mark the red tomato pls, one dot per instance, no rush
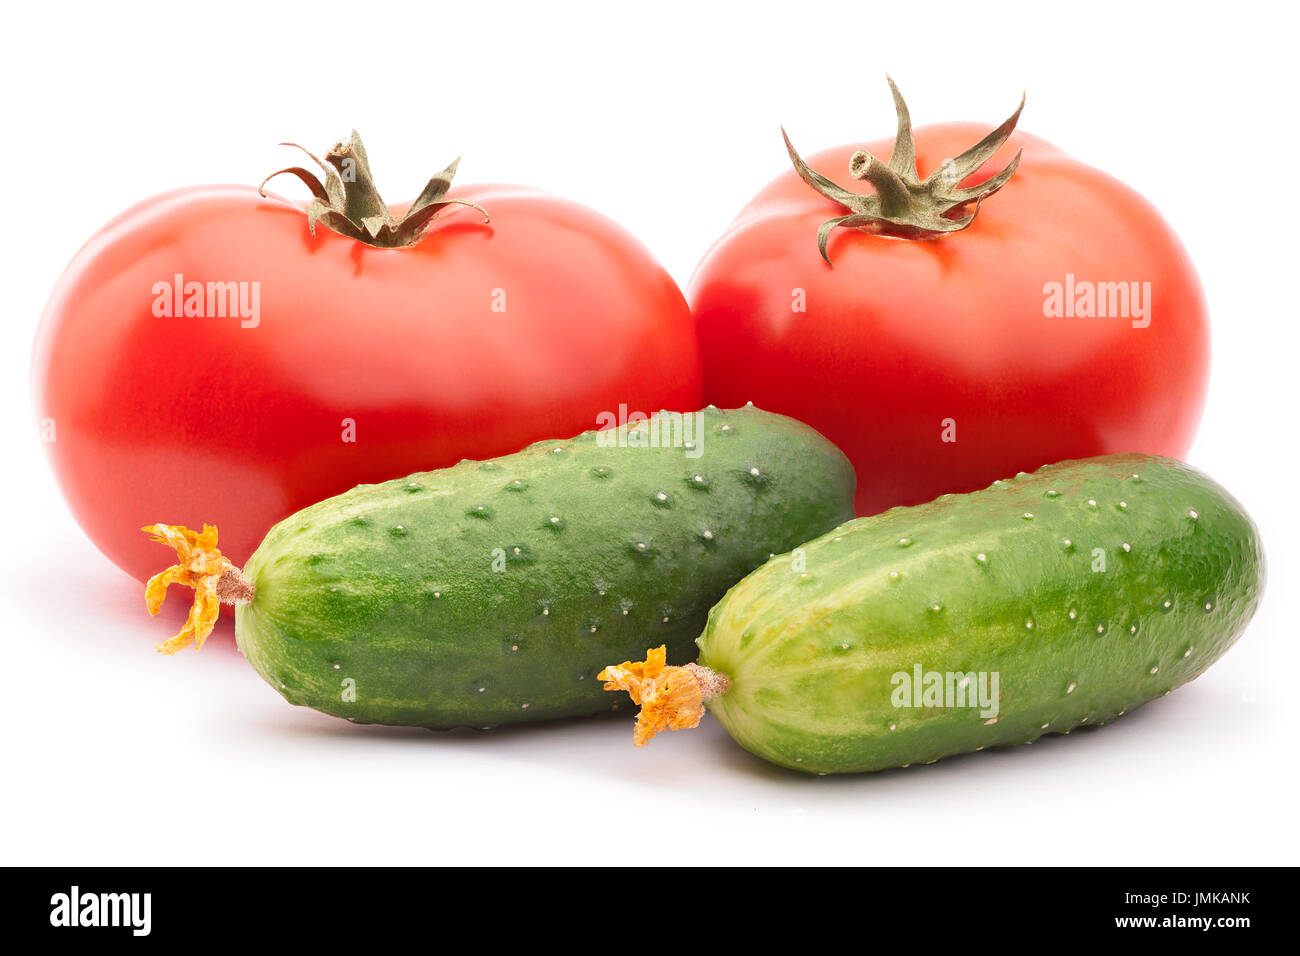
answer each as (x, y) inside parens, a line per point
(934, 364)
(363, 363)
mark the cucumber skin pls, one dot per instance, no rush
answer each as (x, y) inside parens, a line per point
(810, 658)
(420, 621)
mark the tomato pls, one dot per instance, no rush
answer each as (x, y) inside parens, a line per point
(349, 364)
(941, 365)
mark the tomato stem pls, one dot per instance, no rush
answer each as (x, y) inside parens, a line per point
(903, 205)
(348, 201)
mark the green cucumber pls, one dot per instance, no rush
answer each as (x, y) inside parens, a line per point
(492, 592)
(1083, 590)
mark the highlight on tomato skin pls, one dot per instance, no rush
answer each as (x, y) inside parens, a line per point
(206, 358)
(1063, 320)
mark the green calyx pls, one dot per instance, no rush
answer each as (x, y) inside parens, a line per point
(348, 202)
(903, 205)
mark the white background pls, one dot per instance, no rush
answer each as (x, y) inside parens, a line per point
(665, 116)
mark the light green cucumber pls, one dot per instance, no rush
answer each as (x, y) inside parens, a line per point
(493, 592)
(1084, 589)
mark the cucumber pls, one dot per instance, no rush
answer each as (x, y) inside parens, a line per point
(492, 592)
(1068, 597)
